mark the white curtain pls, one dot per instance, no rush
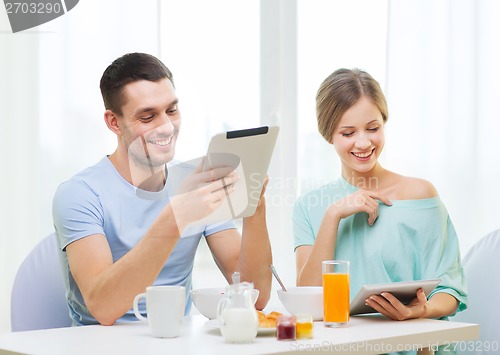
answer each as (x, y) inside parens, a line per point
(51, 113)
(442, 87)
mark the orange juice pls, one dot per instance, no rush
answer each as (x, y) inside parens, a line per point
(336, 298)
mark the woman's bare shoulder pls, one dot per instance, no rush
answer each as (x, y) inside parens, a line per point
(412, 188)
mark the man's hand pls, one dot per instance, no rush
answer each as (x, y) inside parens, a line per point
(201, 193)
(261, 205)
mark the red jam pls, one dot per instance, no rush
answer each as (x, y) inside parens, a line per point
(285, 328)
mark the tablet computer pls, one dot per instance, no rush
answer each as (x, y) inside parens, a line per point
(405, 291)
(249, 153)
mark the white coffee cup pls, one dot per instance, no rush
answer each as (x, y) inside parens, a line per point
(165, 309)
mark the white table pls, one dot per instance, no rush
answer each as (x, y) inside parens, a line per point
(365, 335)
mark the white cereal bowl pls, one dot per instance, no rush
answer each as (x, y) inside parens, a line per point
(206, 300)
(303, 299)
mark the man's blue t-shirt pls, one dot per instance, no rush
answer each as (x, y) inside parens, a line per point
(98, 200)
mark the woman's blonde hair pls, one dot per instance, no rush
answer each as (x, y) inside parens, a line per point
(341, 90)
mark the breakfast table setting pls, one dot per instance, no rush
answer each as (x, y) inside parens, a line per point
(372, 334)
(229, 324)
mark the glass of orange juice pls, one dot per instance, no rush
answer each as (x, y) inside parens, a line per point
(336, 293)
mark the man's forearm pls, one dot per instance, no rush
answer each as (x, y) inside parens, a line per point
(256, 255)
(112, 293)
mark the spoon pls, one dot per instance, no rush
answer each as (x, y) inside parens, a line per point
(273, 270)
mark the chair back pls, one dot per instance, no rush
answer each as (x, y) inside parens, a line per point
(38, 298)
(482, 272)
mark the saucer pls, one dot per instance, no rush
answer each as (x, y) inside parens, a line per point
(214, 324)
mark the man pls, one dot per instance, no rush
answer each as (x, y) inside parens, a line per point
(118, 230)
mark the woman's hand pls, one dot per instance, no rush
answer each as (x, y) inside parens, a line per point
(360, 201)
(391, 307)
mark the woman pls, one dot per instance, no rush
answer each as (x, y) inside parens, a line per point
(391, 227)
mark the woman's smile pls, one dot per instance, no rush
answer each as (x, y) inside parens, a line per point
(363, 156)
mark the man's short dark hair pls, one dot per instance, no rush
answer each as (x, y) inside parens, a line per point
(129, 68)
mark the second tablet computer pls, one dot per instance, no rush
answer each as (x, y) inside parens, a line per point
(249, 151)
(405, 291)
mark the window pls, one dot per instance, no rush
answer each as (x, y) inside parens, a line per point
(243, 64)
(332, 35)
(212, 49)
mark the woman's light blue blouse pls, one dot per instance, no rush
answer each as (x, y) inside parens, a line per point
(410, 240)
